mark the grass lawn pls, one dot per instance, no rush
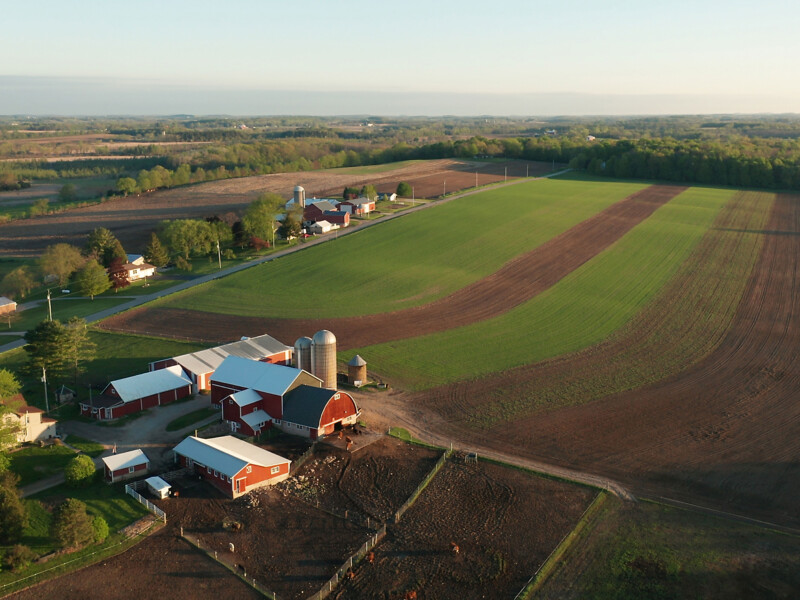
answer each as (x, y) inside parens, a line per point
(33, 463)
(582, 309)
(117, 356)
(190, 418)
(109, 502)
(64, 309)
(90, 447)
(649, 550)
(409, 261)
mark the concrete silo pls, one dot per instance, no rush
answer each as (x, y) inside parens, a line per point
(323, 358)
(302, 353)
(300, 196)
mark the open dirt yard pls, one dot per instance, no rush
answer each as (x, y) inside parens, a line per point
(133, 218)
(504, 521)
(161, 565)
(515, 283)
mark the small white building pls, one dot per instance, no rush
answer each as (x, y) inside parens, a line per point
(320, 227)
(7, 305)
(158, 487)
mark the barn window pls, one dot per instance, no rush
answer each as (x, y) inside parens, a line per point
(230, 400)
(209, 470)
(249, 469)
(131, 469)
(274, 470)
(215, 473)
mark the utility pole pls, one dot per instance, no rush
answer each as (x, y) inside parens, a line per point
(44, 381)
(413, 199)
(444, 188)
(219, 255)
(526, 171)
(49, 306)
(476, 177)
(505, 174)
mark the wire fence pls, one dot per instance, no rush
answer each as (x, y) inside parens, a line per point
(231, 566)
(347, 567)
(147, 504)
(303, 458)
(428, 478)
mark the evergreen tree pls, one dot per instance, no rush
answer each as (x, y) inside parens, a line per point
(72, 526)
(155, 253)
(46, 348)
(79, 348)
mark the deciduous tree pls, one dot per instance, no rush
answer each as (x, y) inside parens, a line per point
(17, 283)
(72, 526)
(67, 193)
(13, 517)
(79, 348)
(404, 189)
(259, 218)
(60, 260)
(127, 185)
(92, 279)
(79, 471)
(369, 191)
(118, 274)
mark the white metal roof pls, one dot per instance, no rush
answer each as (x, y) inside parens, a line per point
(152, 382)
(256, 348)
(157, 483)
(227, 454)
(4, 301)
(256, 419)
(115, 462)
(261, 376)
(245, 397)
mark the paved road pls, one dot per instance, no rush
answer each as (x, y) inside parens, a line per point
(139, 300)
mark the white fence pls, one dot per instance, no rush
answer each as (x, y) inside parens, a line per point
(149, 505)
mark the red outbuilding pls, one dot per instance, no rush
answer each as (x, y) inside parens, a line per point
(231, 465)
(128, 465)
(140, 392)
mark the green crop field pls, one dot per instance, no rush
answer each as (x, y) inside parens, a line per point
(685, 323)
(409, 261)
(582, 309)
(648, 550)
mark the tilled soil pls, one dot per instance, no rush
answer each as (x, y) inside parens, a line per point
(132, 219)
(505, 523)
(516, 282)
(724, 432)
(162, 565)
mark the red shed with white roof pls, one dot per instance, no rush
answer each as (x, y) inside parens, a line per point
(231, 465)
(127, 465)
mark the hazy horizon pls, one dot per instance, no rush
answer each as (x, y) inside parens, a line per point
(420, 58)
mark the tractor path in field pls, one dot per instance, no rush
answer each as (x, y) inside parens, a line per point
(724, 431)
(515, 283)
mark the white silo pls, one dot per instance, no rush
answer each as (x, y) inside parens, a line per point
(323, 358)
(300, 196)
(302, 353)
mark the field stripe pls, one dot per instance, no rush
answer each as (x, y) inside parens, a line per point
(581, 310)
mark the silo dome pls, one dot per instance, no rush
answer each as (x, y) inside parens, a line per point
(299, 196)
(299, 188)
(302, 353)
(323, 358)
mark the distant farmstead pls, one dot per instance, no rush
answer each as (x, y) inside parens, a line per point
(231, 465)
(31, 424)
(7, 305)
(140, 392)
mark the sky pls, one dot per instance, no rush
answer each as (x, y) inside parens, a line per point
(433, 57)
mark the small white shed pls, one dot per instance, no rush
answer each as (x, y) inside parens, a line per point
(158, 487)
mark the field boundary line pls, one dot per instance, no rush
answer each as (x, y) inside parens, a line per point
(142, 534)
(145, 502)
(243, 576)
(423, 484)
(551, 562)
(721, 514)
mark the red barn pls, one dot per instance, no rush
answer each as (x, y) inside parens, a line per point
(314, 212)
(200, 366)
(337, 217)
(256, 396)
(140, 392)
(128, 465)
(231, 465)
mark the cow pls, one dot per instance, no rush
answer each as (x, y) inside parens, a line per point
(454, 548)
(371, 557)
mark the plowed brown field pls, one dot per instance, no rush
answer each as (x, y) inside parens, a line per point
(132, 219)
(516, 282)
(725, 431)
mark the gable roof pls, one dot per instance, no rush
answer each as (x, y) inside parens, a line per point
(260, 376)
(227, 454)
(208, 360)
(6, 301)
(245, 397)
(304, 405)
(322, 205)
(115, 462)
(256, 418)
(147, 384)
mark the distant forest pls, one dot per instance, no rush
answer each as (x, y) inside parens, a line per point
(741, 151)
